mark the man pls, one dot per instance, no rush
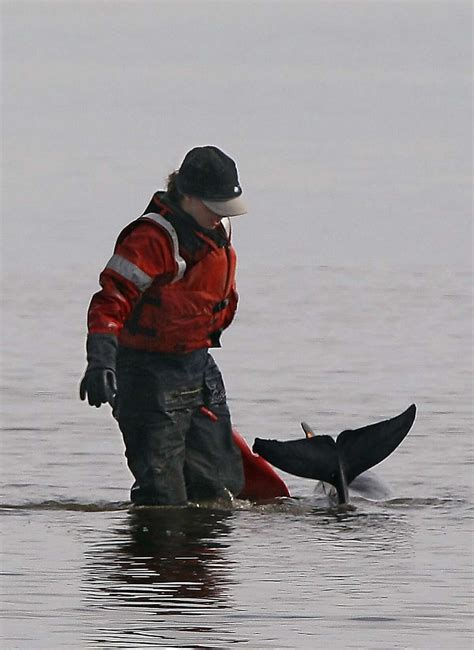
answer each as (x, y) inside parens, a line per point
(168, 292)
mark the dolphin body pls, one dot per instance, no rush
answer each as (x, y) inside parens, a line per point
(339, 461)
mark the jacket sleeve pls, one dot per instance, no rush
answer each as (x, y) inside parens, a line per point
(139, 258)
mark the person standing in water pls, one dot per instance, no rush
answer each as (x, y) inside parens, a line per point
(167, 294)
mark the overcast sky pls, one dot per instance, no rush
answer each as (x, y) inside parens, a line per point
(350, 123)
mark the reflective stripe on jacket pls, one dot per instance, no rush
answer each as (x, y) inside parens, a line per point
(169, 286)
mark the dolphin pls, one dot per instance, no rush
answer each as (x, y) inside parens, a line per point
(339, 461)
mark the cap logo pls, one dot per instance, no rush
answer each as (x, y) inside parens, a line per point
(236, 189)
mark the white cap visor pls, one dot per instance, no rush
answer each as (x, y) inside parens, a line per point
(229, 208)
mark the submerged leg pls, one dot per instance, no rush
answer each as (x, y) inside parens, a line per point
(155, 452)
(213, 466)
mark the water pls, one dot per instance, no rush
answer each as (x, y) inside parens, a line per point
(264, 577)
(82, 570)
(355, 274)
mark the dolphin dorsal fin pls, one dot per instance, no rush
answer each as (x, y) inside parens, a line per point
(308, 431)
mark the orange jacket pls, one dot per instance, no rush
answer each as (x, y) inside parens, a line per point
(170, 285)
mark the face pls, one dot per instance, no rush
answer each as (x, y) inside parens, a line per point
(200, 213)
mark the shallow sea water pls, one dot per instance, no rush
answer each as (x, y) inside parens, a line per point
(82, 569)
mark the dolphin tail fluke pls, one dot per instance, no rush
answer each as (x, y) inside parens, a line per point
(338, 461)
(315, 457)
(361, 449)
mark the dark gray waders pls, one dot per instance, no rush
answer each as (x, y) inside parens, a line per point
(173, 415)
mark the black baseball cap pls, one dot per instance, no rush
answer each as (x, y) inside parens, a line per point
(211, 175)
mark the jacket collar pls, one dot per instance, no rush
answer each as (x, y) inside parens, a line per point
(161, 204)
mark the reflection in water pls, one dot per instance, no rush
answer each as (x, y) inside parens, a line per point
(170, 560)
(164, 561)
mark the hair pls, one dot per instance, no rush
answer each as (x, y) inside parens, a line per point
(172, 191)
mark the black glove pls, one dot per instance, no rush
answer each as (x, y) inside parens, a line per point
(99, 382)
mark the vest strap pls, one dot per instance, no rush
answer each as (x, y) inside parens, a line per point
(165, 224)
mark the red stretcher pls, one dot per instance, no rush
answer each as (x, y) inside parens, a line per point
(261, 480)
